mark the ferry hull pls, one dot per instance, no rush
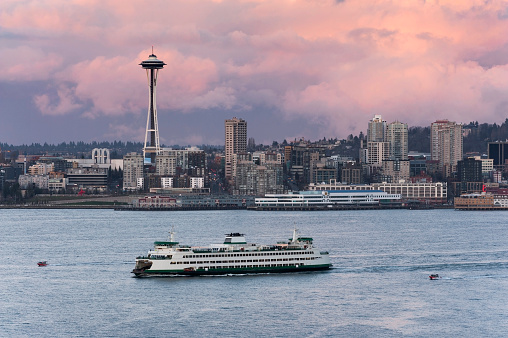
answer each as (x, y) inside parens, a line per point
(236, 271)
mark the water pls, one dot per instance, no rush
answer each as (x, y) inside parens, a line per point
(378, 287)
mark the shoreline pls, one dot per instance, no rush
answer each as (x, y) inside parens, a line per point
(203, 208)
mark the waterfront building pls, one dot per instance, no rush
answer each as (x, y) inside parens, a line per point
(397, 137)
(424, 192)
(481, 201)
(432, 193)
(235, 143)
(154, 202)
(469, 170)
(446, 145)
(133, 171)
(327, 198)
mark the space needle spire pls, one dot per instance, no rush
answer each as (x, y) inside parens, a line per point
(151, 147)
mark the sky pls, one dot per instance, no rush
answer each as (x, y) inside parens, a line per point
(69, 69)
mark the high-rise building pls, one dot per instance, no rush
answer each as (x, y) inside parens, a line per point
(377, 153)
(236, 143)
(376, 129)
(132, 171)
(446, 145)
(498, 151)
(151, 147)
(396, 136)
(469, 170)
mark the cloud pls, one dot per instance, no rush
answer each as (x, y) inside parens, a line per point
(120, 131)
(25, 63)
(64, 103)
(333, 64)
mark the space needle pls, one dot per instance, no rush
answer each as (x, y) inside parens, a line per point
(152, 145)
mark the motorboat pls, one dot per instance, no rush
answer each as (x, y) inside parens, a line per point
(434, 276)
(42, 263)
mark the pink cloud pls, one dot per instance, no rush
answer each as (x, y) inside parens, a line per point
(65, 103)
(334, 64)
(24, 63)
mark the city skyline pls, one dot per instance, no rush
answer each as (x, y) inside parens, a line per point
(70, 71)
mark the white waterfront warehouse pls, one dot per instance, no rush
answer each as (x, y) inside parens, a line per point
(328, 197)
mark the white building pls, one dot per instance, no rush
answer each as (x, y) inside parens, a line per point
(140, 183)
(166, 182)
(101, 156)
(431, 192)
(326, 198)
(197, 182)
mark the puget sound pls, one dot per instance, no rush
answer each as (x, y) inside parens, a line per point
(378, 286)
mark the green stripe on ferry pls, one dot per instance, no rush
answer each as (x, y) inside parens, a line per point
(254, 269)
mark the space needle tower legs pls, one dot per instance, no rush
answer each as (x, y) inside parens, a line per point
(151, 147)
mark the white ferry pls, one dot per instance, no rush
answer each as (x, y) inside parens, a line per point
(234, 256)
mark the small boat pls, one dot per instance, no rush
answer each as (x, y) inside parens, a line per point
(434, 276)
(42, 263)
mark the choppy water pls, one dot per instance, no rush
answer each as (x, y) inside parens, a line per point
(379, 285)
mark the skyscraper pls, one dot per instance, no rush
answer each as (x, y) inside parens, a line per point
(446, 145)
(151, 147)
(376, 129)
(236, 143)
(396, 136)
